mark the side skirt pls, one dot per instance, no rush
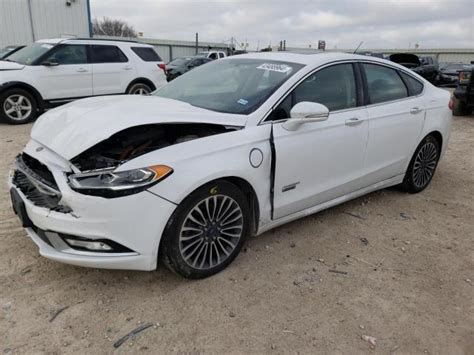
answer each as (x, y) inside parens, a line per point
(337, 201)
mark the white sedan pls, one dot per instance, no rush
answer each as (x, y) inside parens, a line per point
(231, 149)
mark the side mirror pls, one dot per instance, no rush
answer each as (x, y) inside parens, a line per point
(304, 112)
(50, 63)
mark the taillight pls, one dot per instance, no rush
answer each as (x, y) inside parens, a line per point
(451, 103)
(162, 66)
(464, 77)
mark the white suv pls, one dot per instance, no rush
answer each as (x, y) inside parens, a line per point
(51, 72)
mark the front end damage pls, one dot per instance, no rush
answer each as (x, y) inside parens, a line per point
(105, 227)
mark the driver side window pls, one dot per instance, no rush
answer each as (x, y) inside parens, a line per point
(69, 54)
(334, 87)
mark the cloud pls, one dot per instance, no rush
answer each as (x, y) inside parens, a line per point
(342, 23)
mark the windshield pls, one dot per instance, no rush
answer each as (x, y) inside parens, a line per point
(6, 50)
(236, 86)
(179, 61)
(30, 53)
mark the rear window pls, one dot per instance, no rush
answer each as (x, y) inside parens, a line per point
(147, 54)
(107, 54)
(414, 86)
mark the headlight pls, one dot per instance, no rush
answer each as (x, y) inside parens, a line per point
(108, 183)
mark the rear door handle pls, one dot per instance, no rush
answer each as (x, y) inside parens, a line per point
(127, 68)
(353, 121)
(81, 70)
(416, 110)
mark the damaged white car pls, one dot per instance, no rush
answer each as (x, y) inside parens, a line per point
(231, 149)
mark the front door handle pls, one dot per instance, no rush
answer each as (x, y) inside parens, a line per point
(353, 121)
(81, 70)
(416, 110)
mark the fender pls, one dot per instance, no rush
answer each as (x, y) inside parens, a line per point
(25, 86)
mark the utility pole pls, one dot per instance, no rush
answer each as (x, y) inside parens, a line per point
(197, 42)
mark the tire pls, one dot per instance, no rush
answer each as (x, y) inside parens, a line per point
(18, 106)
(422, 166)
(139, 89)
(197, 245)
(459, 108)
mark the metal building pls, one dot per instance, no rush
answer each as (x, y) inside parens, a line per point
(25, 21)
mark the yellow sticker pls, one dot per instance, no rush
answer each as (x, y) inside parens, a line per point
(213, 190)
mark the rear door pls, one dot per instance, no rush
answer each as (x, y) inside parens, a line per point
(396, 117)
(112, 70)
(320, 161)
(70, 78)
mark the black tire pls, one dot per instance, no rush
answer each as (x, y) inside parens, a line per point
(414, 181)
(172, 247)
(459, 108)
(22, 115)
(139, 89)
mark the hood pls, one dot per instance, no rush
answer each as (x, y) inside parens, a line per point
(5, 65)
(71, 129)
(406, 59)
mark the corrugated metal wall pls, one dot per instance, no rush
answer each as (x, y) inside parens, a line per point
(24, 21)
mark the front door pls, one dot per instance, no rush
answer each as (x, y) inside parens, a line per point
(320, 161)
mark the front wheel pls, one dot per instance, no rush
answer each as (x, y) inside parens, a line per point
(207, 231)
(422, 166)
(17, 106)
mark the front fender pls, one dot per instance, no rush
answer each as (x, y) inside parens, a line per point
(200, 161)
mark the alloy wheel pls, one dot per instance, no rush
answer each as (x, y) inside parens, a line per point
(141, 91)
(425, 164)
(17, 107)
(210, 232)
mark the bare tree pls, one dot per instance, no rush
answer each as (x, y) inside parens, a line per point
(112, 27)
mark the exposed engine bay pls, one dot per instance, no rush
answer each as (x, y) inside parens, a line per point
(135, 141)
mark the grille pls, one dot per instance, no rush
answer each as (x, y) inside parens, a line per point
(21, 181)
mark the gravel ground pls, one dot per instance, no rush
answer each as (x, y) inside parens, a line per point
(407, 264)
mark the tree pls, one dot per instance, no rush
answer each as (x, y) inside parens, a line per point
(112, 27)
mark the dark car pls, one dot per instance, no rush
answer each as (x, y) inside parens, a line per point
(463, 96)
(6, 51)
(181, 65)
(420, 65)
(449, 73)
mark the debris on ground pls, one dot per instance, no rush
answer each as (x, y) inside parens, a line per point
(355, 215)
(231, 314)
(57, 313)
(292, 244)
(338, 272)
(404, 215)
(468, 281)
(132, 334)
(371, 340)
(321, 260)
(364, 241)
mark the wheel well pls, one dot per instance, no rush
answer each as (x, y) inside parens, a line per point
(36, 95)
(251, 197)
(142, 81)
(439, 138)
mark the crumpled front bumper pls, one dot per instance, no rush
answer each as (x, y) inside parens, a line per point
(136, 222)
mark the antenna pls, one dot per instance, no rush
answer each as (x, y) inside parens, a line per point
(360, 44)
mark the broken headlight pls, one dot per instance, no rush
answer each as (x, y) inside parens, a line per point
(109, 183)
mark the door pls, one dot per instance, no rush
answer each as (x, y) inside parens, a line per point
(69, 75)
(112, 71)
(320, 161)
(396, 118)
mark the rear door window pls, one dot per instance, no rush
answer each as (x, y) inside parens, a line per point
(384, 84)
(415, 86)
(107, 54)
(147, 54)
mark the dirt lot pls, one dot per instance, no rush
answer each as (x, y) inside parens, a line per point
(408, 281)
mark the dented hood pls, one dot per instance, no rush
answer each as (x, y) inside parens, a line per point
(71, 129)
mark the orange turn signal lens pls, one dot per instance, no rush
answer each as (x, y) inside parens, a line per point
(161, 171)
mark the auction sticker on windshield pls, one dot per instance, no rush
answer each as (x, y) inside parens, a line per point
(280, 68)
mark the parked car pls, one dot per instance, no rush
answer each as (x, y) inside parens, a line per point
(449, 73)
(181, 65)
(51, 72)
(6, 51)
(213, 54)
(233, 148)
(427, 69)
(463, 96)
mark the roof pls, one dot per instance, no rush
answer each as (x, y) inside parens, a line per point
(95, 40)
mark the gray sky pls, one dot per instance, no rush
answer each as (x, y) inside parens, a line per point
(342, 23)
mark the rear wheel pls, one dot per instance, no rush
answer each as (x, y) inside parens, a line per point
(207, 231)
(422, 166)
(17, 106)
(139, 89)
